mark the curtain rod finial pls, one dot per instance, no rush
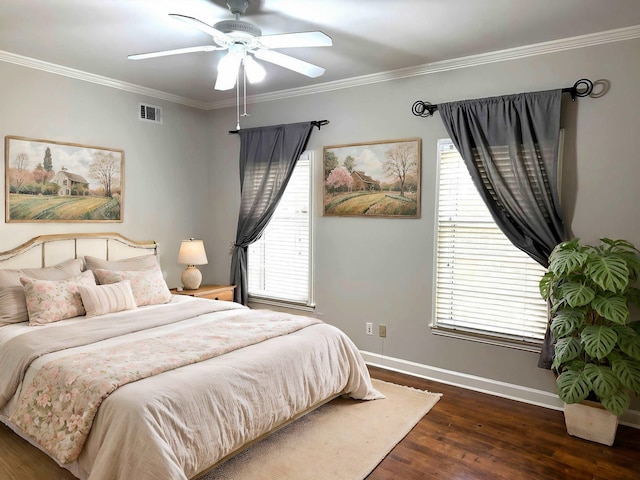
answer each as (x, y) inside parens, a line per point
(423, 109)
(582, 88)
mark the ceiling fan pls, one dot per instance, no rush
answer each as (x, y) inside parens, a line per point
(244, 41)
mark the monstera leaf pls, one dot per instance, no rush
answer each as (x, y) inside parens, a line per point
(577, 294)
(566, 350)
(604, 382)
(628, 341)
(567, 258)
(572, 387)
(628, 252)
(612, 307)
(628, 372)
(598, 340)
(545, 285)
(609, 272)
(566, 322)
(617, 403)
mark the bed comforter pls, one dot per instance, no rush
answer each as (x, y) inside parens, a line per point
(180, 419)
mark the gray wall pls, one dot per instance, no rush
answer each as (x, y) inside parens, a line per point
(166, 166)
(381, 270)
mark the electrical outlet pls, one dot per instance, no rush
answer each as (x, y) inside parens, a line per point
(369, 328)
(382, 330)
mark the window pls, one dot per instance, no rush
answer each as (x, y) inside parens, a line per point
(485, 287)
(279, 263)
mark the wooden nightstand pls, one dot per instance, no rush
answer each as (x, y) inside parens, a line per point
(212, 292)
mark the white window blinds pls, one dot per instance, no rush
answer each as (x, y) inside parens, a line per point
(279, 262)
(485, 286)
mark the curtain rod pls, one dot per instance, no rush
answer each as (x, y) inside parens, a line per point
(582, 88)
(315, 123)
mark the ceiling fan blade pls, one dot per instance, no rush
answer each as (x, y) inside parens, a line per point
(297, 65)
(219, 37)
(177, 51)
(291, 40)
(228, 71)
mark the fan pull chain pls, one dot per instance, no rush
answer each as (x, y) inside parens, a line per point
(244, 77)
(244, 94)
(237, 101)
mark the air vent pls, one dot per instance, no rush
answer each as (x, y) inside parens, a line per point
(149, 113)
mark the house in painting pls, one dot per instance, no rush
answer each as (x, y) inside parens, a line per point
(70, 183)
(363, 182)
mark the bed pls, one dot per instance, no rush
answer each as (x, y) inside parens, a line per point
(115, 378)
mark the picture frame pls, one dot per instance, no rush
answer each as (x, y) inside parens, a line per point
(50, 181)
(373, 179)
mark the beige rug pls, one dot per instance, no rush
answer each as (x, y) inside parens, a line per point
(343, 440)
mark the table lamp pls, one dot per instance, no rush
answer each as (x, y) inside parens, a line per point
(191, 254)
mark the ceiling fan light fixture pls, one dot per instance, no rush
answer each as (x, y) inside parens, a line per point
(255, 72)
(228, 67)
(245, 43)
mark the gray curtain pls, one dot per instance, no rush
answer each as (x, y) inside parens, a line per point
(267, 158)
(510, 146)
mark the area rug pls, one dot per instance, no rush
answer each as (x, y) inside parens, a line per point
(342, 440)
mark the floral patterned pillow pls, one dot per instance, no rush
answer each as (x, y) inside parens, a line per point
(148, 286)
(13, 306)
(49, 300)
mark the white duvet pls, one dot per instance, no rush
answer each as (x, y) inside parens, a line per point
(176, 424)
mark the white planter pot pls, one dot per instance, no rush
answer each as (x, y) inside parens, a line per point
(591, 421)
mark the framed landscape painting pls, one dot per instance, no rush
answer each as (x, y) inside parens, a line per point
(375, 179)
(49, 181)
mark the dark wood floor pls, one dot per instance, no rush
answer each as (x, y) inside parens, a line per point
(470, 435)
(466, 436)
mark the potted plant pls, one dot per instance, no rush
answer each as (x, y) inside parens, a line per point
(597, 345)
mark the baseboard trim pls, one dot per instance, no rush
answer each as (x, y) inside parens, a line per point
(518, 393)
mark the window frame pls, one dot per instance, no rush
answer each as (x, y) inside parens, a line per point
(529, 344)
(309, 304)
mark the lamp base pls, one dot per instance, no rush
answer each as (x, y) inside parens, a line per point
(191, 278)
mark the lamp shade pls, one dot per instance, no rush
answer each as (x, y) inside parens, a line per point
(192, 253)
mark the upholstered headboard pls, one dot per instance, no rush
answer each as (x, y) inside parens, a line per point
(48, 250)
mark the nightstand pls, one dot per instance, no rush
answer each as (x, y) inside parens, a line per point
(212, 292)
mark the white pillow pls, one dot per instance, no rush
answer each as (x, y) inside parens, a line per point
(61, 271)
(13, 307)
(126, 264)
(148, 286)
(49, 300)
(103, 299)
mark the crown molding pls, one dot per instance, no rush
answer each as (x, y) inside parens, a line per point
(97, 79)
(571, 43)
(543, 48)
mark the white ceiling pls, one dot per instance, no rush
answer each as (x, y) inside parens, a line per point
(369, 36)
